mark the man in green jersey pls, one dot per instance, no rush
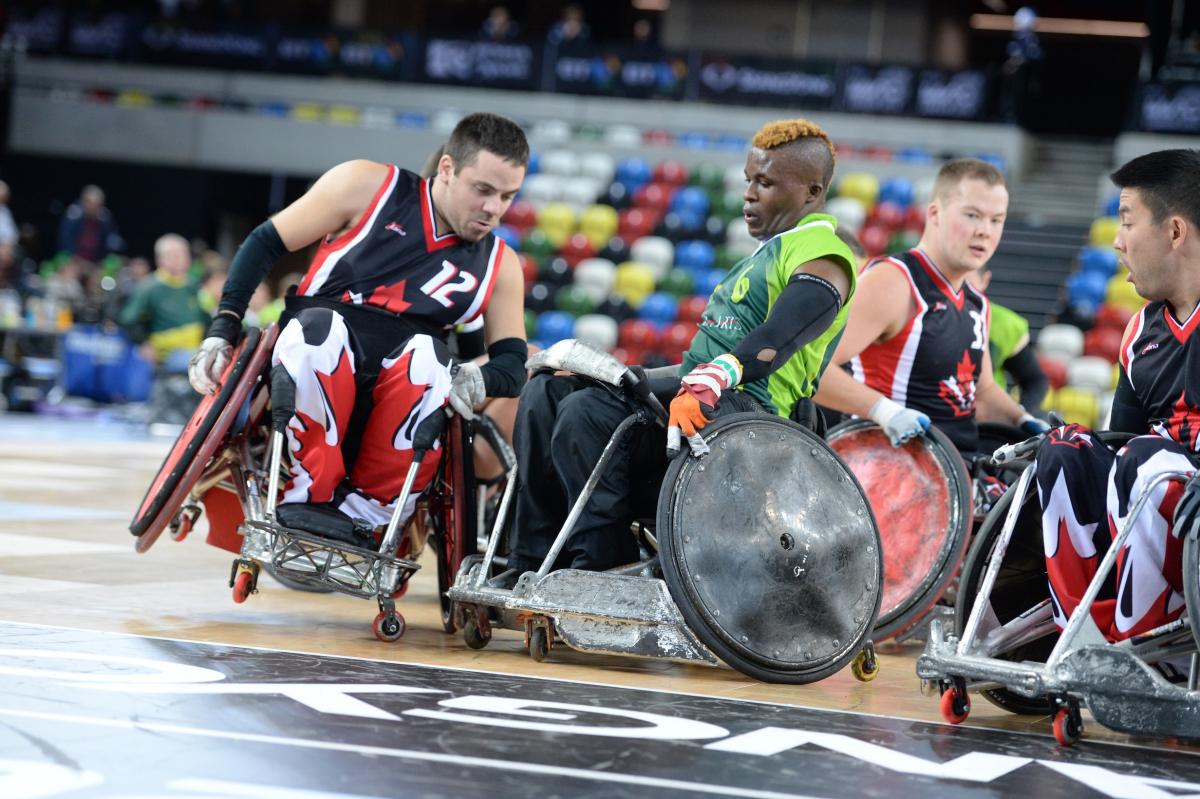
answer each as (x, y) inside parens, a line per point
(766, 336)
(1008, 344)
(164, 311)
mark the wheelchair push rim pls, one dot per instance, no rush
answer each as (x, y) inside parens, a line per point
(200, 439)
(920, 494)
(804, 540)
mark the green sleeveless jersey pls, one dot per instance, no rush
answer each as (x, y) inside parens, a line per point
(743, 299)
(1007, 329)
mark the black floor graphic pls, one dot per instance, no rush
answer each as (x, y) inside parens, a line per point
(86, 714)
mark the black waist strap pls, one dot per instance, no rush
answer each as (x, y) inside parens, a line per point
(374, 332)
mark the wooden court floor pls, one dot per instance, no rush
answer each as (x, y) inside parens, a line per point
(67, 491)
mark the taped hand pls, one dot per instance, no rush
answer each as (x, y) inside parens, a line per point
(700, 389)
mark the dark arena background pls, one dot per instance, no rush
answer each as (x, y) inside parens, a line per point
(135, 674)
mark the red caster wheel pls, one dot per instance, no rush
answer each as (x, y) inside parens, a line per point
(956, 705)
(183, 522)
(389, 626)
(1068, 726)
(243, 586)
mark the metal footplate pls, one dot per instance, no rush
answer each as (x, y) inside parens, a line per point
(596, 612)
(311, 558)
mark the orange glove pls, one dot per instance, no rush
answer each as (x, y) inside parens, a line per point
(700, 389)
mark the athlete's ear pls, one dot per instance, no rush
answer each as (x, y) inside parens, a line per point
(1179, 230)
(445, 168)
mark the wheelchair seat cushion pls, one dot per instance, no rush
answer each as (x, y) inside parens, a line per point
(326, 521)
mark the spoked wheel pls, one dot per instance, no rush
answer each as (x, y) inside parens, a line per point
(453, 516)
(1020, 585)
(389, 626)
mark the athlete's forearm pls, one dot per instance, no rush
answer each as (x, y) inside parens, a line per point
(842, 392)
(252, 263)
(998, 405)
(804, 310)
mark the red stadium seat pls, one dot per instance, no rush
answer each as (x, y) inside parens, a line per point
(529, 268)
(633, 223)
(874, 239)
(657, 136)
(521, 215)
(886, 214)
(654, 195)
(692, 308)
(1103, 342)
(1055, 371)
(675, 338)
(577, 248)
(672, 173)
(637, 334)
(1112, 316)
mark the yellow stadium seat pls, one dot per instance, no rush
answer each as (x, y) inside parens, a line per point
(599, 224)
(862, 186)
(134, 99)
(1077, 406)
(558, 221)
(1122, 294)
(1104, 231)
(635, 282)
(344, 114)
(307, 112)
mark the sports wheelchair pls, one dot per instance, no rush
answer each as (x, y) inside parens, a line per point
(226, 463)
(1004, 643)
(780, 581)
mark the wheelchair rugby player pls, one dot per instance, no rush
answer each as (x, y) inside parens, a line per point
(360, 374)
(762, 537)
(1115, 521)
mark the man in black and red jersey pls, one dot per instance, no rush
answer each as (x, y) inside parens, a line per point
(1086, 489)
(402, 260)
(916, 342)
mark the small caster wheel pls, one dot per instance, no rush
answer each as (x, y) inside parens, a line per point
(184, 521)
(389, 626)
(865, 666)
(1068, 725)
(956, 704)
(474, 636)
(243, 586)
(539, 644)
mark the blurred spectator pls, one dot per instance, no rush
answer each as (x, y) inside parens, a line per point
(499, 26)
(571, 28)
(260, 302)
(87, 229)
(212, 283)
(645, 38)
(274, 309)
(1021, 70)
(164, 312)
(64, 289)
(9, 235)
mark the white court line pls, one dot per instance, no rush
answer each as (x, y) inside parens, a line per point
(253, 790)
(538, 769)
(36, 511)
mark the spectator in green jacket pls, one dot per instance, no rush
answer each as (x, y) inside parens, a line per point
(164, 312)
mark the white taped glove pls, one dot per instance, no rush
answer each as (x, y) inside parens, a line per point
(899, 423)
(467, 390)
(208, 363)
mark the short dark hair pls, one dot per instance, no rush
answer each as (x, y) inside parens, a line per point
(1168, 181)
(491, 132)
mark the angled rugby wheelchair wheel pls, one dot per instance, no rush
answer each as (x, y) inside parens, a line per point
(453, 513)
(202, 437)
(920, 494)
(1191, 583)
(1020, 584)
(770, 550)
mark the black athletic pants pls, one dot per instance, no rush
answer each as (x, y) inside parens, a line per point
(563, 424)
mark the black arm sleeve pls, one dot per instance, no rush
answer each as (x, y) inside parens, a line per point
(504, 373)
(1029, 377)
(805, 309)
(254, 259)
(470, 344)
(1128, 415)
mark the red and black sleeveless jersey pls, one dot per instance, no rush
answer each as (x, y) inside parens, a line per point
(1161, 358)
(393, 259)
(932, 365)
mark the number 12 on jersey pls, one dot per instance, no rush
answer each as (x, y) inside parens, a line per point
(442, 285)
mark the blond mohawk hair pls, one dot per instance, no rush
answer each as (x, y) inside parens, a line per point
(785, 131)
